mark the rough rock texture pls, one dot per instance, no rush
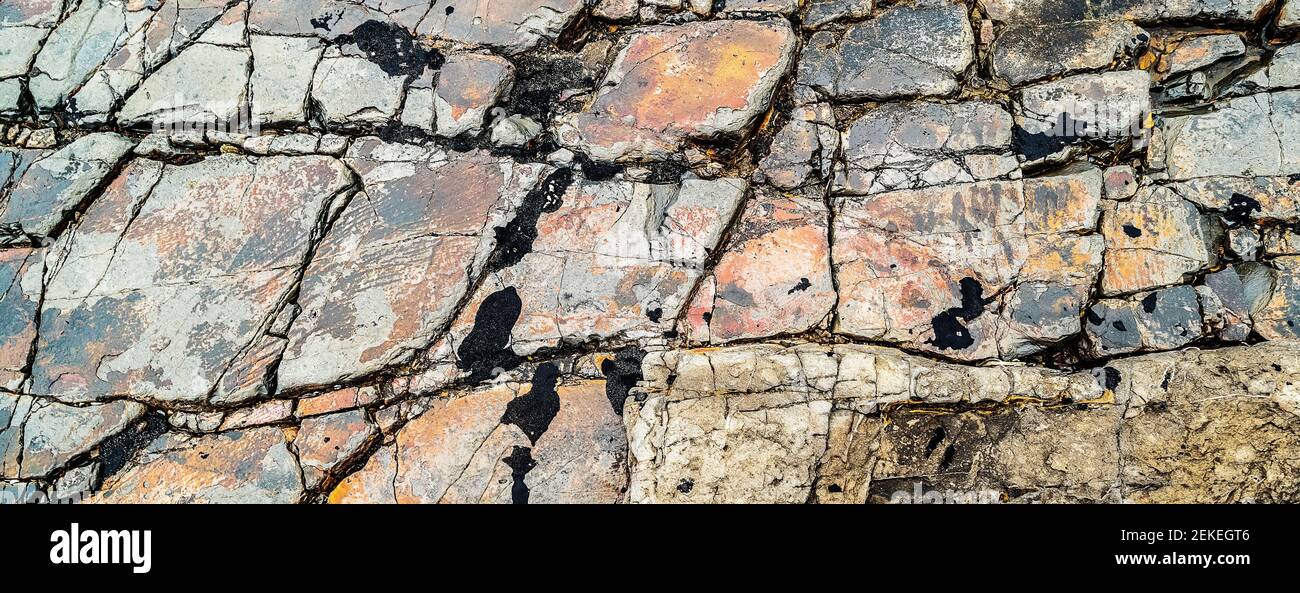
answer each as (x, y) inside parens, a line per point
(671, 84)
(861, 424)
(609, 251)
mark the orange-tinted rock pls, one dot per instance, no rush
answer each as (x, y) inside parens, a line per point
(339, 399)
(774, 277)
(248, 467)
(1156, 239)
(670, 84)
(468, 86)
(472, 449)
(972, 271)
(325, 443)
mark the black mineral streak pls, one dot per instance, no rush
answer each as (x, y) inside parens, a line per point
(119, 448)
(392, 48)
(487, 346)
(1039, 145)
(520, 462)
(1110, 378)
(1149, 303)
(949, 331)
(622, 372)
(1241, 210)
(515, 240)
(534, 411)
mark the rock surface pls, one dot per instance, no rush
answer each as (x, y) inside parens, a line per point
(611, 251)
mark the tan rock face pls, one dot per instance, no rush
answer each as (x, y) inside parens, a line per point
(671, 84)
(904, 429)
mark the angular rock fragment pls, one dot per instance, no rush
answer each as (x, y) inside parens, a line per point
(1033, 51)
(1232, 296)
(1198, 52)
(512, 26)
(18, 45)
(774, 277)
(1164, 319)
(468, 86)
(252, 466)
(1245, 137)
(337, 400)
(972, 271)
(325, 443)
(823, 13)
(334, 91)
(912, 146)
(918, 49)
(1279, 318)
(672, 84)
(43, 436)
(1109, 107)
(400, 258)
(804, 150)
(1156, 239)
(282, 77)
(170, 286)
(20, 295)
(46, 189)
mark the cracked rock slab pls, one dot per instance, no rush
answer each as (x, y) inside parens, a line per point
(863, 424)
(971, 271)
(1156, 239)
(252, 466)
(402, 255)
(47, 187)
(908, 50)
(468, 86)
(917, 145)
(512, 26)
(1034, 51)
(169, 287)
(611, 261)
(671, 84)
(41, 436)
(467, 449)
(20, 280)
(774, 277)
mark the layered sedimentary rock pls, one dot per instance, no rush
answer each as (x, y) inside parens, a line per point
(608, 251)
